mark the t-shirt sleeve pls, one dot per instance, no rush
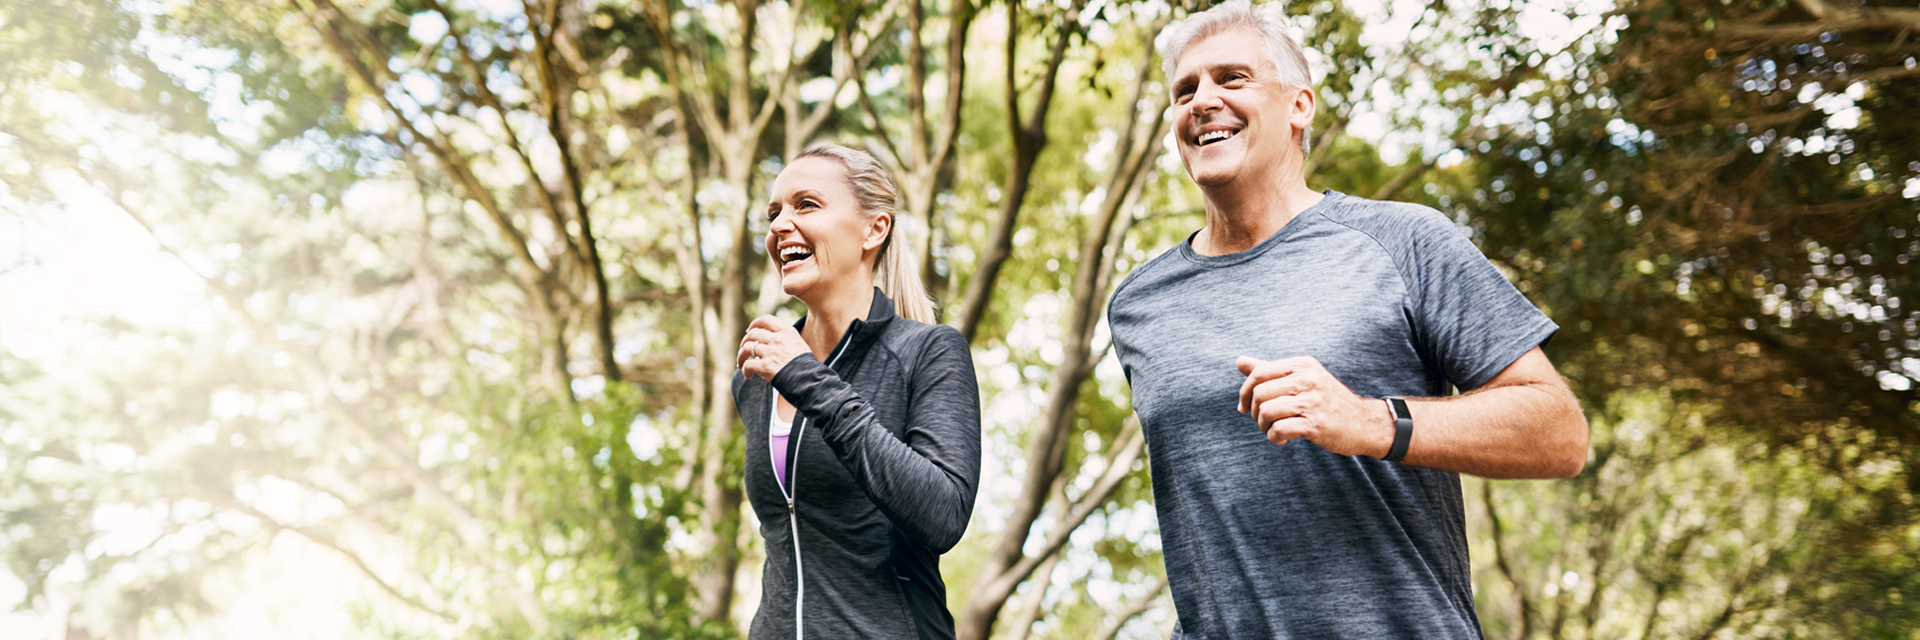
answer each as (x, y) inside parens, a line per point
(1468, 319)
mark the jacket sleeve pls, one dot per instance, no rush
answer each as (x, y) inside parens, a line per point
(926, 484)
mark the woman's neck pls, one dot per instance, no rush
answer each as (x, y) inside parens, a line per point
(829, 319)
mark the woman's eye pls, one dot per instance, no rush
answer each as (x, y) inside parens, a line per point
(808, 204)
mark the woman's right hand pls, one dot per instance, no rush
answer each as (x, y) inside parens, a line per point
(769, 344)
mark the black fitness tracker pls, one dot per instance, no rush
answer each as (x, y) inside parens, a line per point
(1402, 428)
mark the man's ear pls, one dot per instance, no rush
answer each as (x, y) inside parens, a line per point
(877, 230)
(1304, 104)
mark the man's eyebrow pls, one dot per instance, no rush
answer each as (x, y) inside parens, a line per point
(1231, 66)
(1192, 75)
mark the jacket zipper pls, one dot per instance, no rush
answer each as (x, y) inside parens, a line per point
(793, 478)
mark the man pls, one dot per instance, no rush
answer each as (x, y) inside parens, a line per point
(1263, 353)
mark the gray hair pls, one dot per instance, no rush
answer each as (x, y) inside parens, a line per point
(1268, 20)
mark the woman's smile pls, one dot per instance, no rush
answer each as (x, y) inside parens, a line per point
(793, 254)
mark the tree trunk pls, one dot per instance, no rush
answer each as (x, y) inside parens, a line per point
(1006, 565)
(1029, 138)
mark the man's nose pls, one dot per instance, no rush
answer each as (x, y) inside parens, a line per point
(1206, 97)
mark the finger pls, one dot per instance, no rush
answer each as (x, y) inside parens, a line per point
(1278, 388)
(1247, 365)
(769, 323)
(764, 337)
(1259, 371)
(1286, 430)
(1297, 370)
(1283, 368)
(1250, 395)
(776, 335)
(1277, 409)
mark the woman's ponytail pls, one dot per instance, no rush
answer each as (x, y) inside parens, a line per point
(897, 271)
(902, 282)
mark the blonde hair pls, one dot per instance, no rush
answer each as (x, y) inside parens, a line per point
(872, 185)
(1268, 20)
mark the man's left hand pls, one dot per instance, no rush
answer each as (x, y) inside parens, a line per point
(1298, 398)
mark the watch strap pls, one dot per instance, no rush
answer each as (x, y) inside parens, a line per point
(1402, 428)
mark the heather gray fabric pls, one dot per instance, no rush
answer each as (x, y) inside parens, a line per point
(1265, 541)
(884, 460)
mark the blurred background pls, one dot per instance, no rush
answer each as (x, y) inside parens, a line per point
(413, 318)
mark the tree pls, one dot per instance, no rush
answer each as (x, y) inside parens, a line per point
(474, 276)
(1715, 191)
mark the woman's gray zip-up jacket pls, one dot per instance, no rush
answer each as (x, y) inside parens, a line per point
(883, 464)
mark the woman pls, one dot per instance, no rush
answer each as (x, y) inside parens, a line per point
(863, 422)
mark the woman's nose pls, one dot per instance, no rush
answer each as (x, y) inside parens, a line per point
(781, 223)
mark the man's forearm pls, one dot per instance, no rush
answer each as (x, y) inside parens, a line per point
(1516, 431)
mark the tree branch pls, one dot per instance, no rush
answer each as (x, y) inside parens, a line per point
(1324, 141)
(387, 447)
(324, 539)
(588, 252)
(879, 126)
(1140, 605)
(1119, 464)
(960, 21)
(1029, 613)
(338, 29)
(1030, 137)
(1500, 560)
(1405, 178)
(681, 69)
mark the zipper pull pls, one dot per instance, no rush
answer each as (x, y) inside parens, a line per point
(789, 506)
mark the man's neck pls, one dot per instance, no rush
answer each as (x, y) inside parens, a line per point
(1239, 218)
(829, 319)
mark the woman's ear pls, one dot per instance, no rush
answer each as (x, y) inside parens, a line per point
(877, 229)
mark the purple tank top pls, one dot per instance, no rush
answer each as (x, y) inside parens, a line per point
(780, 458)
(780, 431)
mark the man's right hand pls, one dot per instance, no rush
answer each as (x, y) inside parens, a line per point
(1299, 398)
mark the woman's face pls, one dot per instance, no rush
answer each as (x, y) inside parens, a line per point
(818, 238)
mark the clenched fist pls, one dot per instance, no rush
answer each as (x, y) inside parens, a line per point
(1298, 398)
(767, 347)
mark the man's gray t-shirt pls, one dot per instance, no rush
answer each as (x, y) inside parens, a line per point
(1265, 541)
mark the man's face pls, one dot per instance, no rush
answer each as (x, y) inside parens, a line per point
(1233, 116)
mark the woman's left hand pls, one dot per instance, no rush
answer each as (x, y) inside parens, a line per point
(768, 346)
